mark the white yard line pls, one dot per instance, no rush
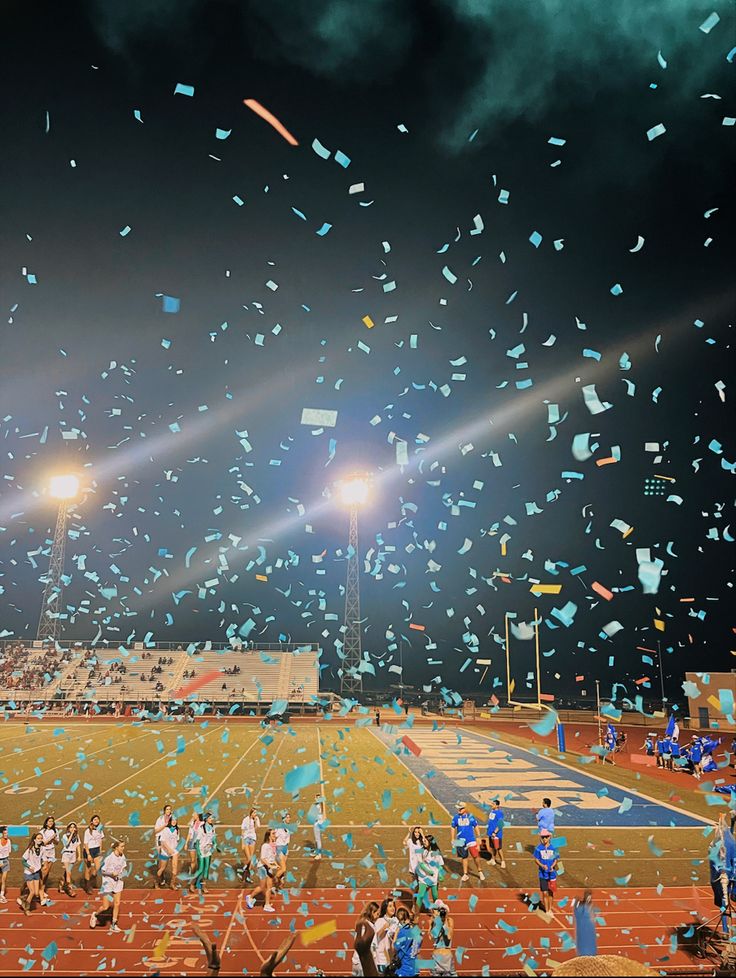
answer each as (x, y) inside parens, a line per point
(135, 774)
(238, 910)
(597, 777)
(262, 786)
(425, 790)
(50, 745)
(34, 777)
(319, 756)
(239, 761)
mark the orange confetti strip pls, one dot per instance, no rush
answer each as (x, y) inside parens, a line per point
(644, 679)
(270, 119)
(547, 697)
(603, 591)
(579, 679)
(606, 461)
(417, 628)
(261, 577)
(197, 683)
(410, 745)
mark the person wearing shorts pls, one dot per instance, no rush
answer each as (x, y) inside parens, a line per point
(282, 838)
(167, 845)
(464, 838)
(429, 868)
(70, 849)
(114, 868)
(31, 873)
(545, 856)
(316, 816)
(48, 855)
(94, 836)
(268, 867)
(495, 833)
(192, 834)
(248, 836)
(5, 850)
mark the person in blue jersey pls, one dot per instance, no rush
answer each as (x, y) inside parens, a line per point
(696, 757)
(667, 753)
(464, 838)
(406, 945)
(586, 940)
(545, 856)
(495, 833)
(660, 752)
(648, 745)
(546, 817)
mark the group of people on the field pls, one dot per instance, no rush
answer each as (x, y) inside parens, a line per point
(695, 758)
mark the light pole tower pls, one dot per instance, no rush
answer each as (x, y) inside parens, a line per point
(63, 488)
(354, 494)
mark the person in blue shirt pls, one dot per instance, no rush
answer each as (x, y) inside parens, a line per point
(546, 817)
(545, 856)
(586, 941)
(667, 753)
(495, 833)
(696, 756)
(648, 745)
(660, 752)
(406, 945)
(464, 837)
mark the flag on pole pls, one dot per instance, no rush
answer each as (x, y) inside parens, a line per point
(672, 729)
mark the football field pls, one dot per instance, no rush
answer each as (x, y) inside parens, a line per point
(376, 784)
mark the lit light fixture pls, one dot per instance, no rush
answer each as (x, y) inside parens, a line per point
(354, 491)
(63, 487)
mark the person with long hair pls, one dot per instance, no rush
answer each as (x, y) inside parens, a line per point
(94, 836)
(248, 836)
(414, 845)
(317, 816)
(429, 867)
(441, 929)
(192, 833)
(407, 944)
(70, 849)
(48, 855)
(167, 844)
(206, 844)
(114, 869)
(365, 931)
(6, 847)
(387, 927)
(268, 867)
(31, 872)
(282, 837)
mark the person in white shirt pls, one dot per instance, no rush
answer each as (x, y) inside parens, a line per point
(114, 870)
(167, 843)
(5, 850)
(387, 927)
(31, 873)
(268, 868)
(206, 843)
(248, 835)
(94, 836)
(162, 821)
(316, 816)
(414, 845)
(282, 837)
(50, 838)
(70, 848)
(192, 833)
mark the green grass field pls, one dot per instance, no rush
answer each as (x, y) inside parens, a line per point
(127, 771)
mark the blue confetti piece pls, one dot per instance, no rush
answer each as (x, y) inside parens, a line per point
(170, 303)
(184, 89)
(301, 777)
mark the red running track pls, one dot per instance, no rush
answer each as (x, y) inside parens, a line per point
(497, 933)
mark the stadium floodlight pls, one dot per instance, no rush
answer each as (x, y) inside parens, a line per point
(64, 488)
(354, 491)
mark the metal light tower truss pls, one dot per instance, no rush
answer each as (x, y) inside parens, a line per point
(351, 680)
(49, 622)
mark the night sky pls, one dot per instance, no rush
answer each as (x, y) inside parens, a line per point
(523, 199)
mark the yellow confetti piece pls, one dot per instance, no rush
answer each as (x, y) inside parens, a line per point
(512, 686)
(545, 588)
(659, 624)
(159, 952)
(503, 549)
(261, 577)
(317, 933)
(368, 322)
(715, 703)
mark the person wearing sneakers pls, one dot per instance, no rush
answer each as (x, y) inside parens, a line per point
(114, 870)
(5, 849)
(545, 856)
(495, 834)
(282, 838)
(31, 872)
(206, 844)
(71, 846)
(268, 867)
(48, 855)
(316, 816)
(464, 838)
(94, 836)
